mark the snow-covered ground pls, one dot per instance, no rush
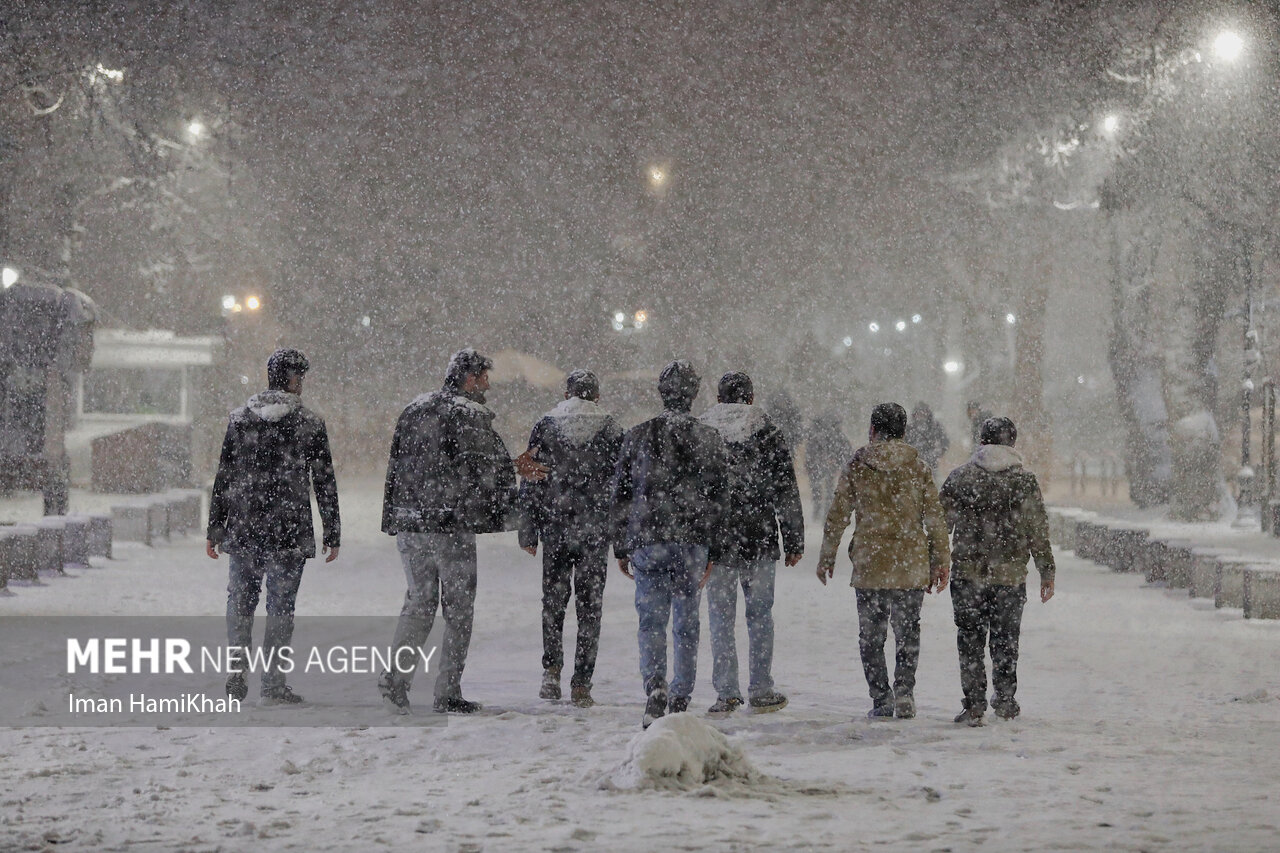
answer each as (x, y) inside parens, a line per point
(1149, 722)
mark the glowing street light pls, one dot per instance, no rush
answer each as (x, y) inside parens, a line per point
(1111, 124)
(901, 325)
(252, 303)
(195, 129)
(916, 318)
(1228, 45)
(9, 277)
(952, 367)
(640, 318)
(1010, 319)
(848, 341)
(874, 327)
(228, 302)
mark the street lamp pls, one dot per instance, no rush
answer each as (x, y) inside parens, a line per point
(195, 129)
(901, 325)
(874, 327)
(1111, 124)
(1010, 318)
(9, 277)
(1228, 45)
(252, 303)
(952, 367)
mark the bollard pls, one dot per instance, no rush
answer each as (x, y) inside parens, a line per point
(1178, 560)
(75, 541)
(1228, 589)
(1261, 592)
(22, 552)
(158, 519)
(1204, 570)
(100, 536)
(129, 523)
(49, 552)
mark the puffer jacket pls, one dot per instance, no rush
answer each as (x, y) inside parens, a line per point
(579, 442)
(448, 469)
(274, 451)
(900, 535)
(997, 518)
(762, 486)
(669, 485)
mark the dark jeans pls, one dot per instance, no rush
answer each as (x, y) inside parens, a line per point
(283, 574)
(982, 611)
(877, 610)
(582, 566)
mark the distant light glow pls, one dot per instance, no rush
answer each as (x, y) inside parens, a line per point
(228, 302)
(901, 325)
(195, 129)
(874, 327)
(1111, 124)
(951, 367)
(9, 277)
(237, 308)
(848, 341)
(1228, 45)
(252, 303)
(916, 318)
(641, 318)
(1010, 319)
(657, 176)
(365, 321)
(244, 380)
(1079, 380)
(618, 317)
(115, 74)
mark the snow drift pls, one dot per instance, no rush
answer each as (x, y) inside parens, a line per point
(680, 752)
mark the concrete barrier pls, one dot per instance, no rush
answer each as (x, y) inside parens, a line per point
(158, 519)
(185, 510)
(1204, 570)
(20, 551)
(49, 552)
(1261, 592)
(1124, 544)
(100, 536)
(75, 541)
(1178, 562)
(1228, 589)
(1089, 538)
(129, 523)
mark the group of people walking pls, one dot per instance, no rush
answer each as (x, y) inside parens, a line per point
(685, 502)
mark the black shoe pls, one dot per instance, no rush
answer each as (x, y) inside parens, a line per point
(904, 708)
(971, 717)
(550, 685)
(654, 707)
(456, 705)
(725, 707)
(1006, 709)
(679, 704)
(395, 693)
(580, 695)
(281, 696)
(236, 688)
(881, 712)
(766, 702)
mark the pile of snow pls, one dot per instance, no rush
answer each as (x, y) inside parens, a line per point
(680, 752)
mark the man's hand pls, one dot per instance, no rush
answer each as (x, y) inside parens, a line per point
(531, 550)
(211, 549)
(1046, 590)
(625, 565)
(938, 577)
(529, 468)
(792, 559)
(332, 552)
(825, 572)
(705, 575)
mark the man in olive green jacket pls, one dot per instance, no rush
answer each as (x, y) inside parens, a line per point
(995, 510)
(899, 552)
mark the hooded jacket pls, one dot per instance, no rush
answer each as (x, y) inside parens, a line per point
(448, 470)
(275, 450)
(997, 517)
(900, 535)
(762, 489)
(579, 442)
(669, 485)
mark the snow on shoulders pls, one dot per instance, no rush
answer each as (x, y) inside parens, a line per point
(736, 422)
(578, 420)
(680, 752)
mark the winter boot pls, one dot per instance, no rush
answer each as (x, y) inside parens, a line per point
(1006, 709)
(766, 702)
(971, 717)
(395, 693)
(904, 707)
(580, 695)
(236, 688)
(456, 705)
(654, 707)
(679, 704)
(550, 684)
(725, 707)
(281, 696)
(880, 712)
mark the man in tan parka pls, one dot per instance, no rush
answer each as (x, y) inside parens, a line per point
(899, 552)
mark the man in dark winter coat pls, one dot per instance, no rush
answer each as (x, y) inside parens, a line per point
(449, 477)
(668, 498)
(927, 436)
(275, 450)
(569, 512)
(762, 493)
(998, 522)
(899, 552)
(826, 451)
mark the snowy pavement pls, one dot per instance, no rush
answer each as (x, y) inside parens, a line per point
(1149, 722)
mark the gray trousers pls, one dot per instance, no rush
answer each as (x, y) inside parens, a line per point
(440, 569)
(283, 573)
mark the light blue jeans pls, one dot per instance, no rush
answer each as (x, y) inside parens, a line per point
(756, 578)
(440, 569)
(667, 577)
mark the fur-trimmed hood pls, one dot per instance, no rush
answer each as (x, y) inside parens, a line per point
(736, 422)
(578, 421)
(996, 457)
(273, 406)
